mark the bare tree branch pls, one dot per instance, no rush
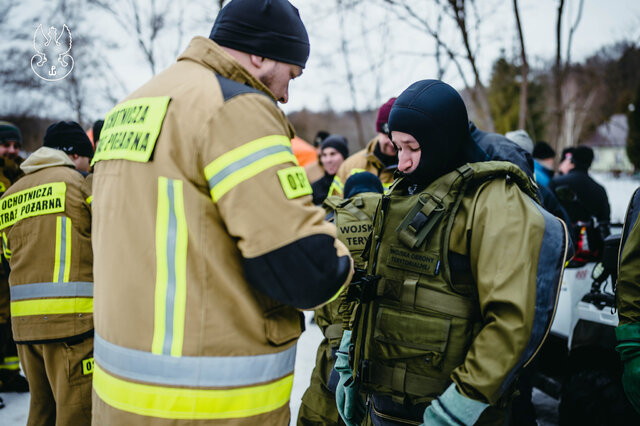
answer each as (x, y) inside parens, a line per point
(350, 77)
(458, 7)
(572, 30)
(558, 74)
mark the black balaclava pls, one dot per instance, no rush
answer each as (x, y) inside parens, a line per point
(435, 115)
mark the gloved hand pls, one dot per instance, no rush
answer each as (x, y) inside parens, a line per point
(453, 409)
(629, 347)
(349, 402)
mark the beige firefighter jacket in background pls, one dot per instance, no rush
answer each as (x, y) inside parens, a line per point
(46, 231)
(171, 236)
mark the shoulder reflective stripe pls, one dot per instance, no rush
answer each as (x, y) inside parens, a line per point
(387, 185)
(76, 305)
(242, 163)
(171, 269)
(44, 290)
(181, 403)
(193, 371)
(62, 266)
(131, 130)
(89, 199)
(36, 201)
(354, 171)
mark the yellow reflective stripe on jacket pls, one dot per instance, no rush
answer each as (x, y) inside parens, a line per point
(36, 201)
(72, 305)
(5, 247)
(62, 265)
(89, 199)
(336, 187)
(355, 170)
(10, 363)
(171, 269)
(246, 161)
(184, 403)
(51, 298)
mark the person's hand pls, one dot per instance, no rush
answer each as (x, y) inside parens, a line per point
(348, 400)
(453, 409)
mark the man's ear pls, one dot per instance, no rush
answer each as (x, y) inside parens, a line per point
(256, 61)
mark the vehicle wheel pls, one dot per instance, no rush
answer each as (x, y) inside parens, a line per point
(595, 397)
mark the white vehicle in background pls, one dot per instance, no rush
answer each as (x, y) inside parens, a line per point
(578, 363)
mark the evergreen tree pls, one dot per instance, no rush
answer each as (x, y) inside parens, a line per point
(504, 100)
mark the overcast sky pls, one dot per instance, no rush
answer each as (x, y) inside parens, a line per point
(385, 52)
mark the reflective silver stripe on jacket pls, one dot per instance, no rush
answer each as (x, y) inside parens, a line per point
(49, 290)
(193, 371)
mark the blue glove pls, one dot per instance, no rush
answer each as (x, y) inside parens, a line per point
(629, 347)
(348, 400)
(453, 409)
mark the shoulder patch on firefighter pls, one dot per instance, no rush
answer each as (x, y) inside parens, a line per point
(295, 182)
(39, 200)
(131, 130)
(409, 260)
(87, 366)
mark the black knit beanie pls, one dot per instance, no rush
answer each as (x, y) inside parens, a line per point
(362, 182)
(9, 131)
(543, 150)
(338, 142)
(69, 137)
(435, 115)
(268, 28)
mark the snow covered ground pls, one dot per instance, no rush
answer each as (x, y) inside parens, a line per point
(619, 191)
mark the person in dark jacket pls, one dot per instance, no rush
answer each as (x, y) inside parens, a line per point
(333, 151)
(581, 196)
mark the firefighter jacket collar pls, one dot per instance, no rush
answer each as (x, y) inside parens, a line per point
(45, 157)
(209, 54)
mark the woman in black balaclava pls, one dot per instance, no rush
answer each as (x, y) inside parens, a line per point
(430, 128)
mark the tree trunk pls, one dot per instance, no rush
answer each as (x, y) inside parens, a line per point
(558, 77)
(522, 117)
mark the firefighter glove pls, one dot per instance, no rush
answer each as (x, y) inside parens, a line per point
(453, 409)
(348, 400)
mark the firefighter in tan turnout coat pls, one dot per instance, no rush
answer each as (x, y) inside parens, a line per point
(206, 240)
(45, 222)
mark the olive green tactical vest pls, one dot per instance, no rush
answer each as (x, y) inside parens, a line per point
(414, 323)
(354, 222)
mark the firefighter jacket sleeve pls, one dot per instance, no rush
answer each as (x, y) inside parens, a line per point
(511, 249)
(289, 253)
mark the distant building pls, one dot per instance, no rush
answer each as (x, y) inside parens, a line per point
(609, 143)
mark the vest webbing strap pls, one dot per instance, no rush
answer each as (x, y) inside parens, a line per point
(334, 331)
(445, 303)
(401, 381)
(355, 212)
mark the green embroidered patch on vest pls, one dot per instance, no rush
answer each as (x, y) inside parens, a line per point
(413, 261)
